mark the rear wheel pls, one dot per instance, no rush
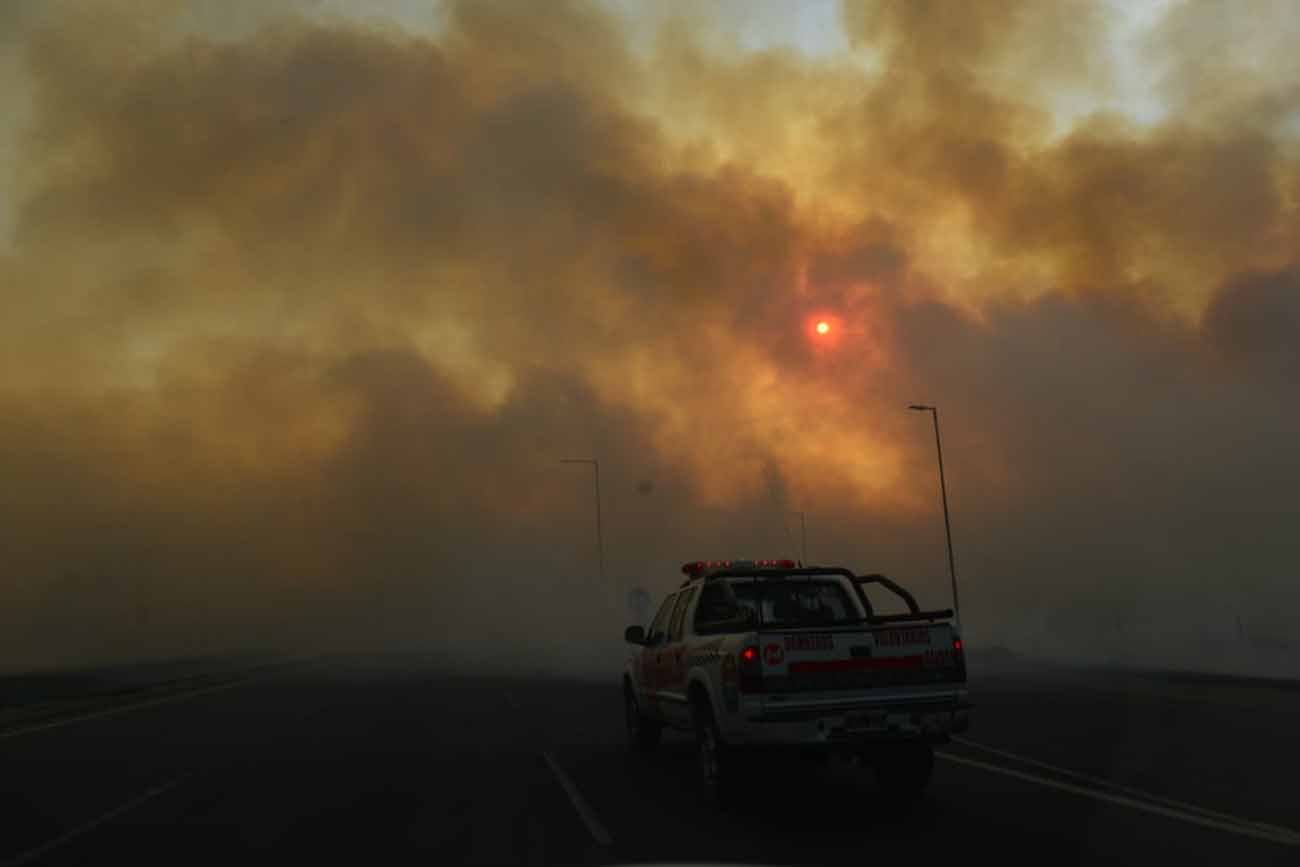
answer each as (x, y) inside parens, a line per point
(710, 751)
(642, 734)
(903, 770)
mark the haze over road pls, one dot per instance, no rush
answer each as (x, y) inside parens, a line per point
(303, 303)
(393, 759)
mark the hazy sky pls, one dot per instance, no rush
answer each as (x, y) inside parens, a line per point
(300, 307)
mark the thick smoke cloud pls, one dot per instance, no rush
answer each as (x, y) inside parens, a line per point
(298, 318)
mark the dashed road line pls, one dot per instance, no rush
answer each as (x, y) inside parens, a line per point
(588, 815)
(126, 708)
(113, 711)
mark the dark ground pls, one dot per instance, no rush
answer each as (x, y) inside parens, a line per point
(391, 760)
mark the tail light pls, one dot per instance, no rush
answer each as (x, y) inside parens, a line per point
(751, 670)
(959, 656)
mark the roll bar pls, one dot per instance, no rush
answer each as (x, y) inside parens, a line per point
(914, 611)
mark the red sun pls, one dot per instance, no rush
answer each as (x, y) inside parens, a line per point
(823, 330)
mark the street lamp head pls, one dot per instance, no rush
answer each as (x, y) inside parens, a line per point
(920, 407)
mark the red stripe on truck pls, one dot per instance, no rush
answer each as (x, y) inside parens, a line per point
(876, 664)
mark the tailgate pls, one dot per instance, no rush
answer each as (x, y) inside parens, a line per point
(904, 654)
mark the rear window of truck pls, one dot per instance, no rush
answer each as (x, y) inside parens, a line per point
(798, 602)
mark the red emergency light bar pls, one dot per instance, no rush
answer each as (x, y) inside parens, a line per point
(696, 567)
(699, 567)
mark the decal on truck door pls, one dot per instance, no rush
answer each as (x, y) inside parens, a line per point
(705, 653)
(657, 635)
(673, 664)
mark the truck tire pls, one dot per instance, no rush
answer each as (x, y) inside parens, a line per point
(643, 734)
(903, 770)
(711, 754)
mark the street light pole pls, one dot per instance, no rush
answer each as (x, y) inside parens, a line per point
(803, 537)
(943, 492)
(600, 534)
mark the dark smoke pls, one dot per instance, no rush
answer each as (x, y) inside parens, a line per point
(299, 315)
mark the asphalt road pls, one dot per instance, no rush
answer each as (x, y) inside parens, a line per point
(394, 761)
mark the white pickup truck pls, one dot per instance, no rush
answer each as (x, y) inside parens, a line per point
(768, 654)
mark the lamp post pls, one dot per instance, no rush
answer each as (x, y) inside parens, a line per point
(803, 538)
(600, 537)
(943, 492)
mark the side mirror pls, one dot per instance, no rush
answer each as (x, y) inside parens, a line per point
(634, 635)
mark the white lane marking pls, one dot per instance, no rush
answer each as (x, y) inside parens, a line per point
(44, 849)
(181, 696)
(1129, 790)
(113, 711)
(588, 815)
(1237, 826)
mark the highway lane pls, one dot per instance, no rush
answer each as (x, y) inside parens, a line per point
(394, 759)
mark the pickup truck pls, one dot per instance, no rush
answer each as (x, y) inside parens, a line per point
(771, 655)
